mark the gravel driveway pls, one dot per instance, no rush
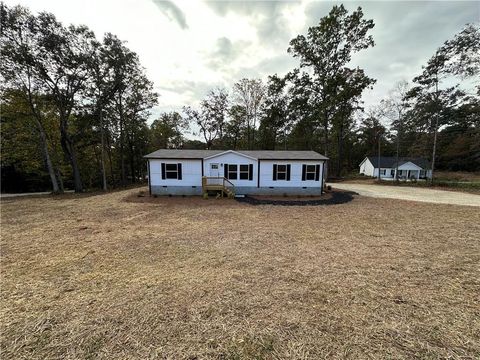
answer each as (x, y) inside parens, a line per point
(411, 193)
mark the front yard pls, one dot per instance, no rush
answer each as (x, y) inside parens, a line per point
(117, 276)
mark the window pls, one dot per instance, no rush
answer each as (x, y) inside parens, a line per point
(172, 171)
(214, 166)
(310, 172)
(232, 172)
(281, 172)
(383, 171)
(392, 173)
(244, 172)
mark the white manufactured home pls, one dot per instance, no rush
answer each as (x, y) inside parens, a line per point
(408, 168)
(235, 172)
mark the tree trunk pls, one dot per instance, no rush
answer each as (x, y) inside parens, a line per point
(379, 165)
(110, 162)
(325, 140)
(48, 160)
(434, 146)
(398, 152)
(132, 162)
(122, 145)
(69, 150)
(60, 180)
(102, 152)
(43, 140)
(340, 151)
(435, 129)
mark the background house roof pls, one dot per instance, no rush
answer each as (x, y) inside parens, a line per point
(390, 161)
(257, 154)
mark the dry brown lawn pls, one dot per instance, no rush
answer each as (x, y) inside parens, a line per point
(116, 276)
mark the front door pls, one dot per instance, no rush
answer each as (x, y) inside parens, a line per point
(214, 170)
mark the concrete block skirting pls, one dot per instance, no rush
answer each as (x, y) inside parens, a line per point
(176, 190)
(239, 190)
(278, 191)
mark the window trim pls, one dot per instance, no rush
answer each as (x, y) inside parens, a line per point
(169, 174)
(232, 172)
(283, 172)
(313, 172)
(240, 171)
(276, 172)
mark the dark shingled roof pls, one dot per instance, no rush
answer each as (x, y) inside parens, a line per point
(257, 154)
(390, 161)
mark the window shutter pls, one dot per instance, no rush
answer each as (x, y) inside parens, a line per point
(317, 172)
(179, 169)
(225, 171)
(163, 171)
(250, 172)
(304, 172)
(288, 172)
(274, 172)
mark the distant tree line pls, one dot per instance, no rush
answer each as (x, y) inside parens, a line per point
(78, 107)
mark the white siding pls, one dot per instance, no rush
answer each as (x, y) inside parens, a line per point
(388, 173)
(191, 172)
(409, 166)
(232, 158)
(366, 168)
(266, 174)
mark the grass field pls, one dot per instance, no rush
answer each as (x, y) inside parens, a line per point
(117, 276)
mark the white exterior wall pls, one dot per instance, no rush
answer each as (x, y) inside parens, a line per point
(191, 172)
(409, 166)
(266, 174)
(366, 168)
(233, 159)
(387, 174)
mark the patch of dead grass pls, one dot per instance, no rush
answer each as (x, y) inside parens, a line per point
(112, 277)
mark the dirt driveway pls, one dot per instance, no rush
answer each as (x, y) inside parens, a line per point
(411, 193)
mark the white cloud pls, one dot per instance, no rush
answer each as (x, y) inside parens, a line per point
(188, 47)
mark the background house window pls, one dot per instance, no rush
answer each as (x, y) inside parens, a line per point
(232, 172)
(383, 171)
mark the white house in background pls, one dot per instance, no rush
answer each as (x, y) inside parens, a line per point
(408, 168)
(192, 172)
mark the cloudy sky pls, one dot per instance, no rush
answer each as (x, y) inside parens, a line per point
(189, 47)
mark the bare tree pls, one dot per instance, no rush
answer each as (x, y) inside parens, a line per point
(211, 116)
(395, 108)
(250, 94)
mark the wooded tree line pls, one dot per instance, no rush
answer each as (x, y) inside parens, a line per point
(78, 107)
(71, 104)
(318, 105)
